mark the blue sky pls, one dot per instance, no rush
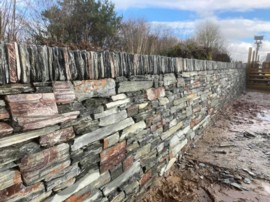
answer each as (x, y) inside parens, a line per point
(239, 20)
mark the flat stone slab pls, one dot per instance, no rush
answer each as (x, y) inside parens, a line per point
(113, 118)
(23, 137)
(169, 79)
(100, 133)
(64, 92)
(82, 183)
(9, 178)
(24, 106)
(94, 88)
(51, 120)
(131, 86)
(155, 93)
(109, 188)
(5, 129)
(45, 164)
(9, 89)
(4, 114)
(56, 137)
(20, 192)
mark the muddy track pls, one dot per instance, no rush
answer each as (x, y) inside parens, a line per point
(231, 162)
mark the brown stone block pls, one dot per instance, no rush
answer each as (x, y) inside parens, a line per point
(113, 151)
(9, 178)
(112, 162)
(63, 91)
(153, 119)
(57, 137)
(132, 110)
(21, 193)
(112, 156)
(5, 129)
(12, 62)
(128, 162)
(23, 106)
(157, 126)
(146, 177)
(155, 93)
(49, 121)
(4, 114)
(47, 157)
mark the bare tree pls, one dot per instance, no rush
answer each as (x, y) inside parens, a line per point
(134, 35)
(140, 37)
(208, 35)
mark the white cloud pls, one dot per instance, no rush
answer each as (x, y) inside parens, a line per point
(234, 31)
(200, 6)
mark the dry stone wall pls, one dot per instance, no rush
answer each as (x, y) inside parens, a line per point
(100, 126)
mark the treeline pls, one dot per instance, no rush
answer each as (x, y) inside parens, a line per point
(95, 25)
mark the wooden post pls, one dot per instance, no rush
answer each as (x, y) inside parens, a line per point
(249, 56)
(253, 59)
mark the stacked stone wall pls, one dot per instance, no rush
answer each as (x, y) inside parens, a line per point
(100, 126)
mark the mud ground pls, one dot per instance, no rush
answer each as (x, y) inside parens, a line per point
(230, 162)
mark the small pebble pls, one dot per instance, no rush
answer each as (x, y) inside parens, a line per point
(247, 181)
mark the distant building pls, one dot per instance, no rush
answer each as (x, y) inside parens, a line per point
(267, 58)
(266, 64)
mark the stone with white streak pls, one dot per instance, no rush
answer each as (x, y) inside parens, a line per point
(137, 127)
(119, 97)
(94, 88)
(108, 120)
(169, 79)
(171, 131)
(106, 113)
(23, 137)
(83, 182)
(117, 103)
(132, 86)
(100, 133)
(109, 188)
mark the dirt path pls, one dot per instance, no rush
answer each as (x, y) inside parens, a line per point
(231, 162)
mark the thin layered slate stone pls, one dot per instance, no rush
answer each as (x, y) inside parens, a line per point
(23, 137)
(12, 62)
(155, 93)
(3, 114)
(111, 157)
(25, 63)
(100, 133)
(94, 88)
(79, 185)
(31, 105)
(41, 165)
(20, 192)
(63, 91)
(64, 176)
(113, 118)
(15, 152)
(5, 129)
(15, 89)
(169, 79)
(171, 131)
(112, 186)
(4, 73)
(9, 178)
(57, 137)
(132, 86)
(51, 120)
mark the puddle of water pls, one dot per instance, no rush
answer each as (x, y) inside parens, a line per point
(264, 117)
